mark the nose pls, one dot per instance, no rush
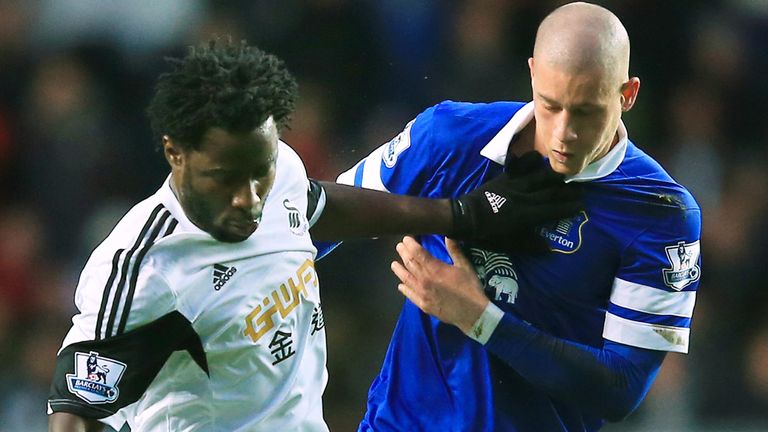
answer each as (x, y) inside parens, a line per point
(247, 197)
(564, 129)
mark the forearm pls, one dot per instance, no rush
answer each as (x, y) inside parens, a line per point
(361, 213)
(66, 422)
(599, 381)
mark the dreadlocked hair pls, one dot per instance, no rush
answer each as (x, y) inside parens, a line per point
(222, 84)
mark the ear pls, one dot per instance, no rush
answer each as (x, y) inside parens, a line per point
(530, 68)
(629, 91)
(174, 154)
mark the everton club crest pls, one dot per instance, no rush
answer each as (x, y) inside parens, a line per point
(565, 235)
(95, 378)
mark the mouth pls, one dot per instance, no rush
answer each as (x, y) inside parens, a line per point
(561, 157)
(242, 227)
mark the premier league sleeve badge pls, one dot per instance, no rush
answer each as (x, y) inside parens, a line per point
(685, 270)
(95, 379)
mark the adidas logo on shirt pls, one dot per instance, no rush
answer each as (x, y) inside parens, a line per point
(221, 275)
(495, 200)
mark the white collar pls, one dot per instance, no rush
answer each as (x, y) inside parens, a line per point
(496, 149)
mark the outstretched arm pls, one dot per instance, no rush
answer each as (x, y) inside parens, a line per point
(66, 422)
(499, 211)
(609, 382)
(352, 212)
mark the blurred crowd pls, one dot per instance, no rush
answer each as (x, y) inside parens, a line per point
(76, 152)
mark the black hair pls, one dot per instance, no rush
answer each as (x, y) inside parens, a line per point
(223, 84)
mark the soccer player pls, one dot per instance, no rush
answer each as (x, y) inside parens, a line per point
(201, 310)
(561, 341)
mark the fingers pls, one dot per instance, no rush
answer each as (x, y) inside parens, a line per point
(457, 255)
(558, 193)
(523, 164)
(406, 254)
(554, 210)
(401, 272)
(409, 293)
(542, 177)
(570, 192)
(411, 243)
(406, 285)
(413, 255)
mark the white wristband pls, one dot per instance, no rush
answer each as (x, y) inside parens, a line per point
(483, 328)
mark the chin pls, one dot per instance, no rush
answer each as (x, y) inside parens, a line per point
(559, 168)
(229, 237)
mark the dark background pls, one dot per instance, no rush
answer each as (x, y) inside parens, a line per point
(76, 153)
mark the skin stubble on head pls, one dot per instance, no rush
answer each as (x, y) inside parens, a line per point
(581, 85)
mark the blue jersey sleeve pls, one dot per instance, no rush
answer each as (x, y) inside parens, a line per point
(437, 154)
(396, 166)
(609, 382)
(654, 292)
(399, 166)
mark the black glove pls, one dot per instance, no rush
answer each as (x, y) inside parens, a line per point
(501, 214)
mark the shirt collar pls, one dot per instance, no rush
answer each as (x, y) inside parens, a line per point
(496, 149)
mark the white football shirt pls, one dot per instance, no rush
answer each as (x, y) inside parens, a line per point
(179, 332)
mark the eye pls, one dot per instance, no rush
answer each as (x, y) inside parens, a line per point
(264, 170)
(223, 177)
(585, 112)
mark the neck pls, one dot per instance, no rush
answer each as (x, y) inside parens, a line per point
(174, 187)
(525, 139)
(608, 148)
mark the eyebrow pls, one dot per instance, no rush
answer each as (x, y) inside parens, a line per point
(588, 105)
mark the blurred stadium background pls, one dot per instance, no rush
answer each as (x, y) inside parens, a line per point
(76, 152)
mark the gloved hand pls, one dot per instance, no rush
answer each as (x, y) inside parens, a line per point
(501, 214)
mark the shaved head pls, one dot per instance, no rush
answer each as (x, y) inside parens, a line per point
(581, 85)
(580, 37)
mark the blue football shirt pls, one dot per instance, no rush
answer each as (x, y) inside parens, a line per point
(625, 270)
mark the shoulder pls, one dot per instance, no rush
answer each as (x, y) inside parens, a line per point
(477, 109)
(116, 268)
(484, 117)
(291, 182)
(288, 158)
(461, 128)
(642, 199)
(143, 225)
(291, 176)
(642, 180)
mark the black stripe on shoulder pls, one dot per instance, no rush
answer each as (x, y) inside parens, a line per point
(130, 363)
(171, 226)
(135, 270)
(313, 197)
(124, 270)
(105, 295)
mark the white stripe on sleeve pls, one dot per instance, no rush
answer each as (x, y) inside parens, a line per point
(651, 300)
(371, 172)
(644, 335)
(348, 177)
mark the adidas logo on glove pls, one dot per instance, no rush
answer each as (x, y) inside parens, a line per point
(495, 200)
